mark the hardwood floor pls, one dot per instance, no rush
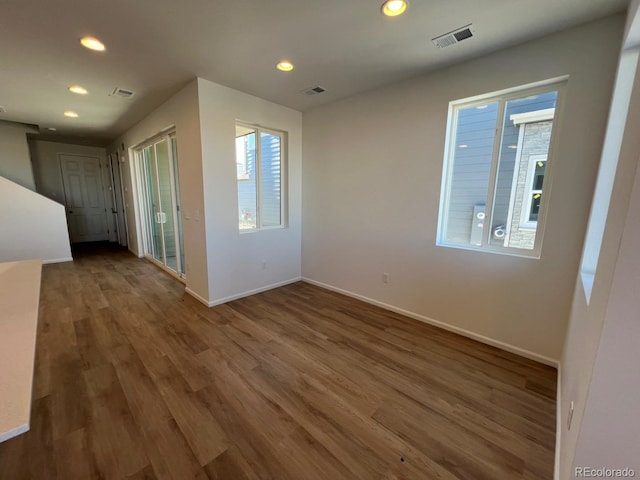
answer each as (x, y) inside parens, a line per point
(135, 379)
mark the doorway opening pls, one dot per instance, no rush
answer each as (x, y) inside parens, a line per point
(117, 199)
(156, 163)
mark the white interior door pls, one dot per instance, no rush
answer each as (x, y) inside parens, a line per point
(84, 198)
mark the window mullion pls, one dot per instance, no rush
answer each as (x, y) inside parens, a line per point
(258, 171)
(495, 161)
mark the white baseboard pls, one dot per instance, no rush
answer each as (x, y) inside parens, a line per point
(14, 433)
(196, 296)
(248, 293)
(58, 260)
(445, 326)
(556, 468)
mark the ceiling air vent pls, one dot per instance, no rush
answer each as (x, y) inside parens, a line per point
(454, 37)
(123, 92)
(314, 90)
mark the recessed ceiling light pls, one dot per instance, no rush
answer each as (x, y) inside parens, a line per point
(93, 43)
(78, 89)
(393, 8)
(70, 114)
(52, 129)
(285, 66)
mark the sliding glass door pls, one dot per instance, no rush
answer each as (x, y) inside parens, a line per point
(158, 190)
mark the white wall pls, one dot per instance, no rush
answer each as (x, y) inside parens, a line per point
(15, 161)
(235, 260)
(584, 345)
(610, 428)
(32, 226)
(180, 111)
(371, 186)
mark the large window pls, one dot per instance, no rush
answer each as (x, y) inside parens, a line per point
(497, 171)
(259, 169)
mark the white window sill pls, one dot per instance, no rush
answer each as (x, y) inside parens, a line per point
(587, 284)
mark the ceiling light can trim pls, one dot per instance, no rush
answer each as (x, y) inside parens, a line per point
(92, 43)
(78, 90)
(70, 114)
(285, 66)
(394, 8)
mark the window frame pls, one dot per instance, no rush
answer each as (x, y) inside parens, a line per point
(257, 177)
(525, 223)
(246, 176)
(501, 97)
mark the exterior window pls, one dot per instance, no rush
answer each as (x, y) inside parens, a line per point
(533, 196)
(496, 171)
(259, 167)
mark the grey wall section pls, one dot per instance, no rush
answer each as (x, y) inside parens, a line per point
(598, 361)
(610, 428)
(236, 259)
(182, 112)
(48, 176)
(46, 165)
(372, 173)
(474, 145)
(15, 160)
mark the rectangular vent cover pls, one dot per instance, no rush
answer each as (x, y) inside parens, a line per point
(454, 37)
(123, 92)
(314, 90)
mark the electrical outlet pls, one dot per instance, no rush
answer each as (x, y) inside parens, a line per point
(385, 278)
(570, 416)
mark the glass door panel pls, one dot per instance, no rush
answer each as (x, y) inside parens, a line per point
(158, 187)
(152, 204)
(166, 205)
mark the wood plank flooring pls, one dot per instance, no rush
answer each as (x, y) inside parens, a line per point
(137, 380)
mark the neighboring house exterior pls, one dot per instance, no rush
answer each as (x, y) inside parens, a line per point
(531, 166)
(520, 171)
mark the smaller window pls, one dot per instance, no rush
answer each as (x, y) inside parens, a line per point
(259, 173)
(533, 195)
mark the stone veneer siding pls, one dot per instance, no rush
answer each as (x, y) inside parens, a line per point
(535, 142)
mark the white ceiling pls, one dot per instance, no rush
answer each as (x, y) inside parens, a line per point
(155, 46)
